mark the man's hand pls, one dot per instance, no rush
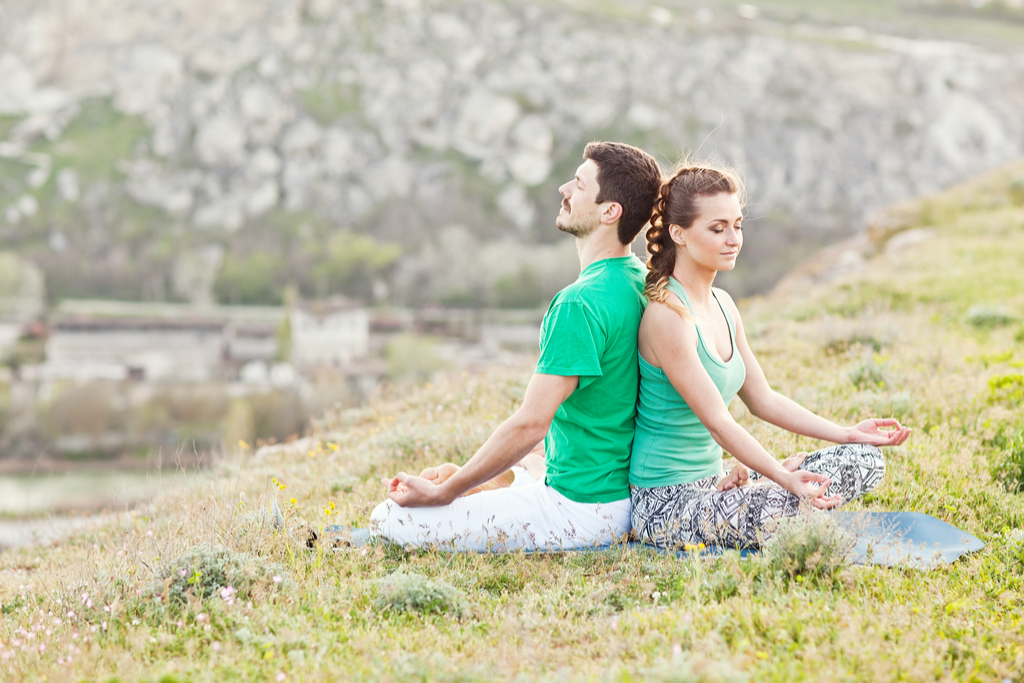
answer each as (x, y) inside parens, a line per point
(739, 476)
(879, 432)
(411, 492)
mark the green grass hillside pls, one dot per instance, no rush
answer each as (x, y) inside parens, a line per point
(929, 327)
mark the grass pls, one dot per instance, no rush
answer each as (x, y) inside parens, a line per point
(111, 601)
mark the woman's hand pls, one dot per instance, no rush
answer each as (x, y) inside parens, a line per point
(739, 476)
(811, 487)
(879, 432)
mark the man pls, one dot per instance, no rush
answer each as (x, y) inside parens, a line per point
(581, 399)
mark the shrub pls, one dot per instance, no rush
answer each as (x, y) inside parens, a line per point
(411, 592)
(987, 317)
(1006, 389)
(206, 569)
(867, 374)
(519, 290)
(809, 545)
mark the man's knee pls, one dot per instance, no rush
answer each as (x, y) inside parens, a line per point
(379, 517)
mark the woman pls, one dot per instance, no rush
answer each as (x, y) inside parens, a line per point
(694, 358)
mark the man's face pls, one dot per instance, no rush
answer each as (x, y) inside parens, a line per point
(580, 214)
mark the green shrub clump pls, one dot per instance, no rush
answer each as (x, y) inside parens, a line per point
(1006, 389)
(988, 317)
(206, 570)
(811, 546)
(411, 592)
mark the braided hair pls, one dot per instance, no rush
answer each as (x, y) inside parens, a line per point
(677, 205)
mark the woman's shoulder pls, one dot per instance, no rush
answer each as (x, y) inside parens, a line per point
(727, 301)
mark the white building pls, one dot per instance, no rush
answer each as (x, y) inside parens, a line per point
(152, 341)
(333, 333)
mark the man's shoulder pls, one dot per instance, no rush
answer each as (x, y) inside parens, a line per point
(602, 280)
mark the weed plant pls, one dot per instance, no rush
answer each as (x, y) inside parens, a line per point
(412, 592)
(110, 601)
(810, 546)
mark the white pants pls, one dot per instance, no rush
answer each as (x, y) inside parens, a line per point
(533, 516)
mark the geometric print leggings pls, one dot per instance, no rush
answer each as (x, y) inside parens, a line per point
(696, 512)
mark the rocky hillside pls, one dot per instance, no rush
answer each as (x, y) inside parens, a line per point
(409, 150)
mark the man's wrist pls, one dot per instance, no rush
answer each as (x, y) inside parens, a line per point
(446, 493)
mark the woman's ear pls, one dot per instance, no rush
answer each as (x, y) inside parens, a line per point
(677, 235)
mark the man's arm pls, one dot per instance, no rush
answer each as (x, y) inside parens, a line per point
(506, 446)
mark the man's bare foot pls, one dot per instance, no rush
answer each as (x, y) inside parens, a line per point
(443, 472)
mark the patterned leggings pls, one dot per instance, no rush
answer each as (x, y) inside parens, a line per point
(696, 512)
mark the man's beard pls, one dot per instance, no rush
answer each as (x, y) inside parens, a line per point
(577, 229)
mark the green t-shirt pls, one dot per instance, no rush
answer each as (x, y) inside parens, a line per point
(590, 330)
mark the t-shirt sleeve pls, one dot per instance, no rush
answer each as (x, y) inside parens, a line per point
(571, 344)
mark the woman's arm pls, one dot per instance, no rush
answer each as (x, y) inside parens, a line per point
(668, 341)
(769, 405)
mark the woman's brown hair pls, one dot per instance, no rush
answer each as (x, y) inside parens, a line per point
(677, 205)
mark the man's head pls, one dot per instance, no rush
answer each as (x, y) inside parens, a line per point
(617, 184)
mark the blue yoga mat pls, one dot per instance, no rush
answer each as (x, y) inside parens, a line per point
(907, 539)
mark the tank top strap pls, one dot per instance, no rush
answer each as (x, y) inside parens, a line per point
(676, 288)
(728, 317)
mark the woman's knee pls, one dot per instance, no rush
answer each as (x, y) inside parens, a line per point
(872, 462)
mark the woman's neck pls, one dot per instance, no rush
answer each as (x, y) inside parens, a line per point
(697, 282)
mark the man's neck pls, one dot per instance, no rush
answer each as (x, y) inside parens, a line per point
(600, 245)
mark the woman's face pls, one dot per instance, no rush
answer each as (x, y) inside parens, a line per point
(714, 240)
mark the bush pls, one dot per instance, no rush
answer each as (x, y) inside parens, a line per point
(809, 545)
(1006, 389)
(205, 570)
(519, 290)
(987, 317)
(867, 374)
(410, 592)
(256, 280)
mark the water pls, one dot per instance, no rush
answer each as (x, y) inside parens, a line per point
(43, 508)
(32, 494)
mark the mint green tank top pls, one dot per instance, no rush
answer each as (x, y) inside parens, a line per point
(670, 445)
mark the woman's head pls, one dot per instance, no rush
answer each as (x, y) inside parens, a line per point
(693, 190)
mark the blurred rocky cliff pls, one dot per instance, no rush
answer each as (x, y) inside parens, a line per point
(409, 151)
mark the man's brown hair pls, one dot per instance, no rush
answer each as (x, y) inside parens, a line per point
(630, 177)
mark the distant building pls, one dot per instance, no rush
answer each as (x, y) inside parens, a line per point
(154, 341)
(87, 347)
(329, 333)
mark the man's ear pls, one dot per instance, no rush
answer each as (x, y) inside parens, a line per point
(611, 213)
